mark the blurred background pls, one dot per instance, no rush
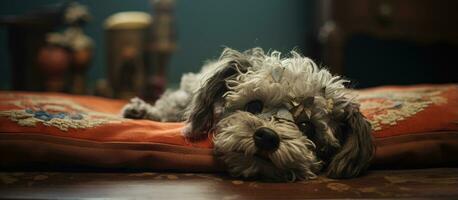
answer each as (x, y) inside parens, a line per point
(90, 47)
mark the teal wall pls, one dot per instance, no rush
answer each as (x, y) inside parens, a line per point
(204, 27)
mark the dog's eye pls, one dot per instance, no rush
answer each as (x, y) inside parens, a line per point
(307, 128)
(254, 107)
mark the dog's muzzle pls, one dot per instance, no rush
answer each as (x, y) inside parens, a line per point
(266, 139)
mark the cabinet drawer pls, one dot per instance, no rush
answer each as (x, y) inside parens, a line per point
(412, 18)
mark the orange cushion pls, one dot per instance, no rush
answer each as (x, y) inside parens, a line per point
(54, 130)
(414, 126)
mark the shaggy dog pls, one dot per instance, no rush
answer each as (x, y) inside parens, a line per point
(273, 118)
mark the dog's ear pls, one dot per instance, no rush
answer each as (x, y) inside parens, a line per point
(201, 116)
(357, 150)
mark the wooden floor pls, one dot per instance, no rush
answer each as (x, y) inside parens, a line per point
(429, 183)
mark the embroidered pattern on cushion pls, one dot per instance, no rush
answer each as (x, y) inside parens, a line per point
(388, 107)
(57, 112)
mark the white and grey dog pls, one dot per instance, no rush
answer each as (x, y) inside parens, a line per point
(273, 118)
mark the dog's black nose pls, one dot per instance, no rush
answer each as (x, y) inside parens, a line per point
(266, 139)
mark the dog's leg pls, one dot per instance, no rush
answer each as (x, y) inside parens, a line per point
(170, 107)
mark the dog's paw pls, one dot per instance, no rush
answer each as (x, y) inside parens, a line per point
(187, 131)
(135, 109)
(192, 136)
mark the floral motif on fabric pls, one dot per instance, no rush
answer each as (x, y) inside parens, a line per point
(388, 107)
(53, 111)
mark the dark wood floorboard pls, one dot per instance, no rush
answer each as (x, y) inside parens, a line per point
(427, 183)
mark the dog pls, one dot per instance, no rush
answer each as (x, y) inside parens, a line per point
(272, 118)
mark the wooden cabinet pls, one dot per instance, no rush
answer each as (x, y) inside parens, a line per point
(418, 21)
